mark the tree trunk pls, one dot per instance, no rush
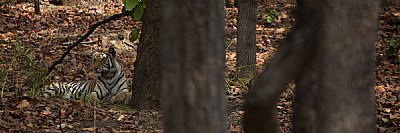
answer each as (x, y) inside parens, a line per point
(230, 3)
(292, 58)
(192, 55)
(336, 94)
(146, 79)
(246, 48)
(37, 6)
(331, 48)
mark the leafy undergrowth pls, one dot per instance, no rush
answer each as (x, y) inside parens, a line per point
(32, 41)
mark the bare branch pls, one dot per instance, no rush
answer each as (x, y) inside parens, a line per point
(90, 42)
(129, 44)
(91, 29)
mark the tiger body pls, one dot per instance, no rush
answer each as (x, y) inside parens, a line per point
(71, 90)
(109, 83)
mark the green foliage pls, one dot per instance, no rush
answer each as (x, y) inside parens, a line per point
(130, 4)
(121, 108)
(137, 7)
(393, 46)
(271, 15)
(134, 35)
(385, 119)
(4, 74)
(29, 68)
(138, 12)
(237, 82)
(37, 74)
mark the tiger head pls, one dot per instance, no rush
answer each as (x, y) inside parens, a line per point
(105, 63)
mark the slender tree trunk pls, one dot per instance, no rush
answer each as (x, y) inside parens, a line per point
(246, 48)
(230, 3)
(331, 51)
(146, 79)
(192, 55)
(37, 6)
(336, 95)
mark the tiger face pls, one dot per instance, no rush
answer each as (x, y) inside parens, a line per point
(104, 63)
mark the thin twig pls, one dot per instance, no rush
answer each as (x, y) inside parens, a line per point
(230, 43)
(90, 42)
(128, 44)
(91, 29)
(94, 115)
(59, 117)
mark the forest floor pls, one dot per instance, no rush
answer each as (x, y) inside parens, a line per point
(30, 43)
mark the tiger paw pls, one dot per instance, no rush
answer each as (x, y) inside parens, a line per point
(122, 97)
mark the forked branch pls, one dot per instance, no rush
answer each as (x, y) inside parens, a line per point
(291, 60)
(87, 34)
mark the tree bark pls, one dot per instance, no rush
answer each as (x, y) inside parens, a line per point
(246, 48)
(192, 55)
(37, 6)
(146, 78)
(321, 25)
(230, 3)
(336, 94)
(292, 58)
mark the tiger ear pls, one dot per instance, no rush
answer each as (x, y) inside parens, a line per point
(112, 51)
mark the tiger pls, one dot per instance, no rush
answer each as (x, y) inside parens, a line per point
(109, 83)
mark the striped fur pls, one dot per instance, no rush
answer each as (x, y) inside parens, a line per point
(109, 85)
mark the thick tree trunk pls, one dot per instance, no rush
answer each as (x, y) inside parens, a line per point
(192, 55)
(246, 48)
(336, 95)
(146, 79)
(313, 51)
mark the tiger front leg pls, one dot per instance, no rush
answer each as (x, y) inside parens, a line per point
(122, 97)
